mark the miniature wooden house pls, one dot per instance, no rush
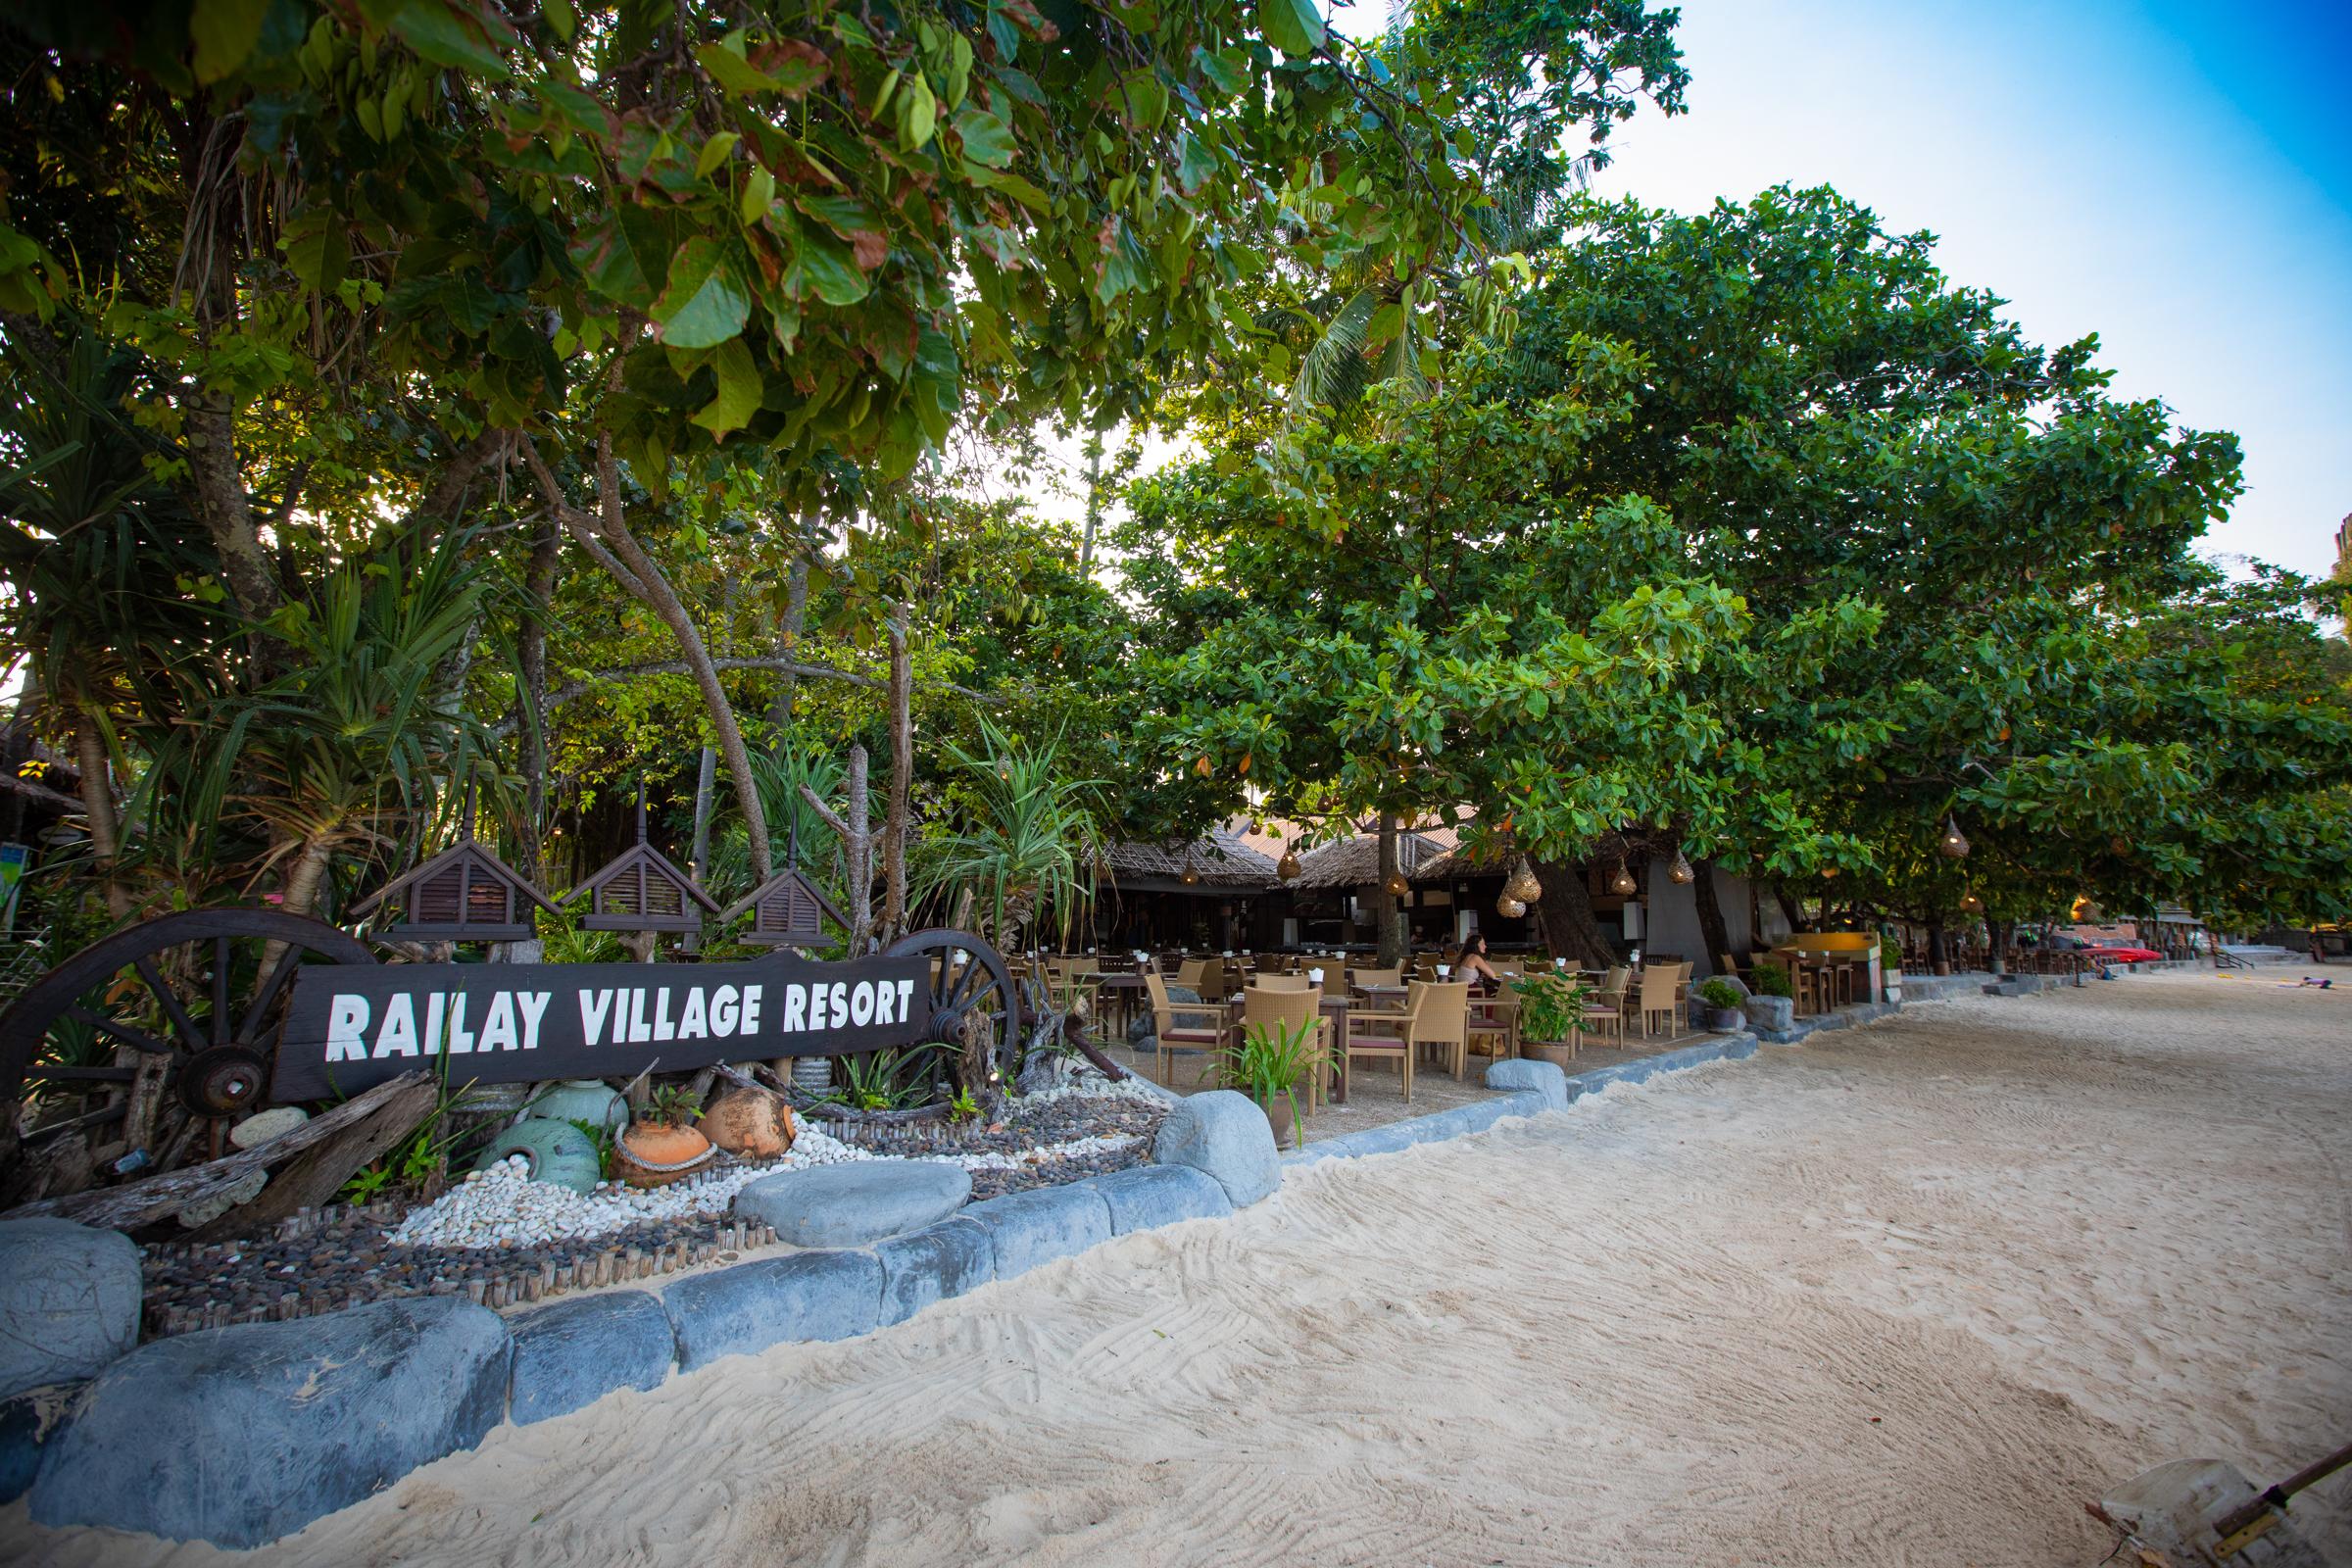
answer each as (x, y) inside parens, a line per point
(787, 911)
(464, 894)
(643, 890)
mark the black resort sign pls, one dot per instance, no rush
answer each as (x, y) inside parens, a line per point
(350, 1026)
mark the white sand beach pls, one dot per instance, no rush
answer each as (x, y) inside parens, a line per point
(1908, 1294)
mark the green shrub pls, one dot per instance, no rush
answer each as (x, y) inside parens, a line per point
(1552, 1004)
(1721, 994)
(1772, 980)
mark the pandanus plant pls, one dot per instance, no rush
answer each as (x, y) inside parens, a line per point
(350, 747)
(1022, 839)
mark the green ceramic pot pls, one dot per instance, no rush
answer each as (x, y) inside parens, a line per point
(588, 1100)
(558, 1152)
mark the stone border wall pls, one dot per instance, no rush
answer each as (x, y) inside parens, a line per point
(328, 1410)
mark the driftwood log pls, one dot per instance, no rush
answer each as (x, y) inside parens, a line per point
(315, 1176)
(136, 1204)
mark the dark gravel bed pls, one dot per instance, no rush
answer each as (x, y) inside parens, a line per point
(345, 1259)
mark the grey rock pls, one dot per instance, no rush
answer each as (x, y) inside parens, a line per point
(1770, 1012)
(1222, 1132)
(572, 1354)
(1042, 1071)
(1143, 1197)
(857, 1201)
(241, 1435)
(1038, 1226)
(931, 1265)
(68, 1302)
(28, 1423)
(1737, 984)
(1545, 1078)
(745, 1309)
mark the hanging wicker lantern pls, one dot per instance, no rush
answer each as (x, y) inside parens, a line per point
(1510, 908)
(1972, 905)
(1954, 843)
(1680, 871)
(1828, 873)
(1287, 867)
(1623, 882)
(1191, 877)
(1523, 885)
(1398, 887)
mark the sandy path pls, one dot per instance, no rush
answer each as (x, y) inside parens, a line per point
(1910, 1295)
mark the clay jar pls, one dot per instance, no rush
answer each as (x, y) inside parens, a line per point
(750, 1123)
(655, 1154)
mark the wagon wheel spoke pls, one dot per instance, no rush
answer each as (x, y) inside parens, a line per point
(181, 1023)
(136, 1039)
(220, 967)
(280, 974)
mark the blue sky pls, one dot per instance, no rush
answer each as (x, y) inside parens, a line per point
(2175, 177)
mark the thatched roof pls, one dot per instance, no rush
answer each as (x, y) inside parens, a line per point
(1461, 861)
(1220, 858)
(1355, 862)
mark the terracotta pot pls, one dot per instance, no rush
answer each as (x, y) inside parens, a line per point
(1555, 1052)
(1277, 1112)
(751, 1123)
(655, 1154)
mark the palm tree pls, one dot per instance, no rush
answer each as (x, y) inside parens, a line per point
(1022, 839)
(99, 560)
(356, 739)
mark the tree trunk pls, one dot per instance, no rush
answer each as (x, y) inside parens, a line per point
(1385, 910)
(539, 593)
(607, 537)
(699, 862)
(1790, 911)
(1939, 958)
(1711, 928)
(227, 508)
(98, 809)
(1564, 915)
(856, 847)
(902, 779)
(1998, 933)
(788, 642)
(1094, 505)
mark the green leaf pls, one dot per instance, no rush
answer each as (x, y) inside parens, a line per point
(758, 195)
(739, 390)
(714, 153)
(829, 267)
(448, 34)
(733, 72)
(918, 113)
(703, 305)
(1293, 26)
(224, 32)
(987, 139)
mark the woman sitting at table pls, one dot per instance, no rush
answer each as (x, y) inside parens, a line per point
(1471, 965)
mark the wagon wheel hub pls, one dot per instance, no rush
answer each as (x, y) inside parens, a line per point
(222, 1081)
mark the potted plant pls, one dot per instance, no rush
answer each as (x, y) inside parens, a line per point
(661, 1146)
(1552, 1009)
(1890, 967)
(1268, 1065)
(1723, 1000)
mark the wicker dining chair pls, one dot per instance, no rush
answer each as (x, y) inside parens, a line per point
(1662, 992)
(1187, 1028)
(1434, 1016)
(1290, 1006)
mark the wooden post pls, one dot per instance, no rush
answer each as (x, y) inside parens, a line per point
(902, 779)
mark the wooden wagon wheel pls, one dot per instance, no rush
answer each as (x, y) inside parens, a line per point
(189, 990)
(967, 977)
